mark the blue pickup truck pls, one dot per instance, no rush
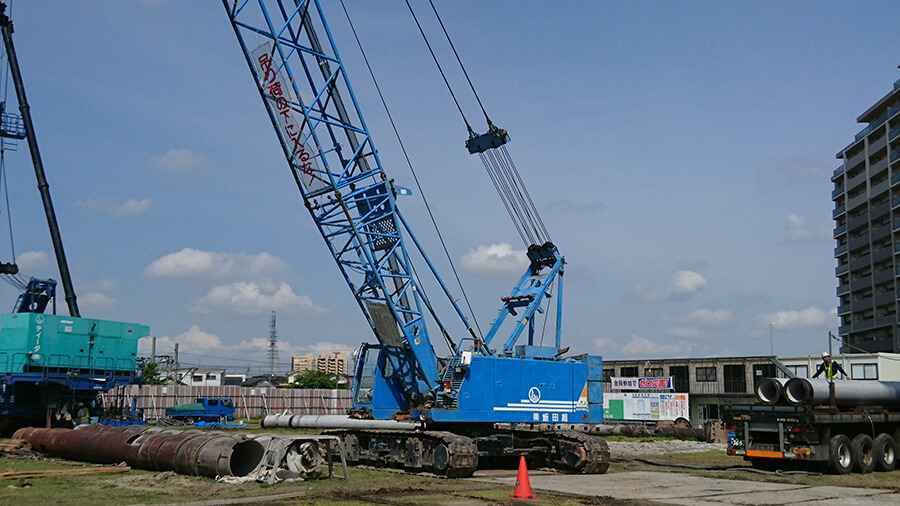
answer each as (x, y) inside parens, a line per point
(203, 409)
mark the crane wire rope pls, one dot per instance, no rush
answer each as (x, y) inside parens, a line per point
(412, 169)
(500, 168)
(436, 62)
(17, 280)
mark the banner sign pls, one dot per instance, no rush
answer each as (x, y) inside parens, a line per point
(650, 406)
(642, 383)
(280, 96)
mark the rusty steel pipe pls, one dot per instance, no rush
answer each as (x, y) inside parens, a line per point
(184, 451)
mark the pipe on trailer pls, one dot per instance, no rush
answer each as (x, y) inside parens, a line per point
(812, 392)
(193, 452)
(769, 390)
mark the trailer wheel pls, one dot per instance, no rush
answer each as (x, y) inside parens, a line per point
(885, 453)
(840, 459)
(861, 449)
(189, 420)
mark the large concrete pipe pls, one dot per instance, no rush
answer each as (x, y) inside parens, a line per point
(769, 390)
(188, 452)
(806, 392)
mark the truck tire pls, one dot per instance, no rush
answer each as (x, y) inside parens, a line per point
(189, 420)
(840, 459)
(885, 453)
(861, 450)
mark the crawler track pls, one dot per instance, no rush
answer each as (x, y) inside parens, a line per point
(437, 452)
(451, 455)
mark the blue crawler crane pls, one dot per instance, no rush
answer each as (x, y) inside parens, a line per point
(480, 403)
(52, 367)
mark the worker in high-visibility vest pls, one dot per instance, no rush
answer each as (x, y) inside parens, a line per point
(832, 369)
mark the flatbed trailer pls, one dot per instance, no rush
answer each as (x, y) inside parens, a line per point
(863, 439)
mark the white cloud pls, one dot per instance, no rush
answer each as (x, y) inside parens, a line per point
(254, 299)
(192, 263)
(132, 207)
(811, 317)
(686, 332)
(32, 260)
(179, 160)
(97, 301)
(682, 285)
(640, 347)
(695, 324)
(797, 231)
(495, 260)
(100, 285)
(707, 317)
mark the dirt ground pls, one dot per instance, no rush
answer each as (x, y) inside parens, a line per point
(368, 486)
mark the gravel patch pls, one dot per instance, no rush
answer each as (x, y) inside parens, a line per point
(621, 449)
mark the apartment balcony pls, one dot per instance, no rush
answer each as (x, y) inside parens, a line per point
(895, 177)
(880, 232)
(894, 156)
(845, 268)
(845, 329)
(842, 229)
(891, 136)
(837, 191)
(842, 289)
(840, 250)
(839, 210)
(843, 309)
(840, 170)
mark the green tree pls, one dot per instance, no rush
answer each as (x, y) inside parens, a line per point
(152, 375)
(315, 379)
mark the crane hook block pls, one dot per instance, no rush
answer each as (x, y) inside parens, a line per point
(494, 138)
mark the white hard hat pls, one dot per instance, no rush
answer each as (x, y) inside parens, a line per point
(825, 354)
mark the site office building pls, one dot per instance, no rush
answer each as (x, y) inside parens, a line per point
(867, 230)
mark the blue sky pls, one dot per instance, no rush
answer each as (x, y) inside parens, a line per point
(680, 155)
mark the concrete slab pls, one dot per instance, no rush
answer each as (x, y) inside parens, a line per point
(677, 488)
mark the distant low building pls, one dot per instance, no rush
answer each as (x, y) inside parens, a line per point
(265, 381)
(197, 377)
(234, 379)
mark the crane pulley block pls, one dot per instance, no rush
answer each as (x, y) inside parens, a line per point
(493, 138)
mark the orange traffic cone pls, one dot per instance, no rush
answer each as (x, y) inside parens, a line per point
(523, 486)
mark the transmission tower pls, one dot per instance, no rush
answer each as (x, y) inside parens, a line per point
(273, 345)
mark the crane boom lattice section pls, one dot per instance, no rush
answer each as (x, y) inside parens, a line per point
(301, 79)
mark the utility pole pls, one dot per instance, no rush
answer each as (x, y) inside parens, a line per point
(273, 345)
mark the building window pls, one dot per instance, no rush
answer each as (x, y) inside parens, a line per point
(628, 372)
(680, 378)
(709, 411)
(706, 374)
(798, 371)
(864, 371)
(653, 372)
(735, 378)
(211, 376)
(608, 374)
(197, 378)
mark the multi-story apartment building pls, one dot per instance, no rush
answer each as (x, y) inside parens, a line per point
(866, 212)
(335, 363)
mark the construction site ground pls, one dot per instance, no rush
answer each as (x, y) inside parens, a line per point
(641, 473)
